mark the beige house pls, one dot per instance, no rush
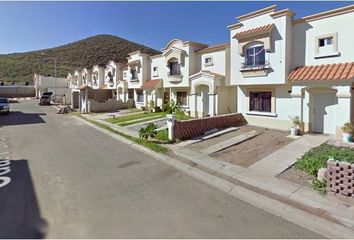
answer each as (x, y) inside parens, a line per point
(283, 66)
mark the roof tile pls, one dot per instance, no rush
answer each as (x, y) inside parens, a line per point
(258, 30)
(336, 71)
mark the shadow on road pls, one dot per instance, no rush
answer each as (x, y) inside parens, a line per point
(18, 118)
(20, 214)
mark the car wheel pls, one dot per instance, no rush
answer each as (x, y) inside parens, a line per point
(8, 112)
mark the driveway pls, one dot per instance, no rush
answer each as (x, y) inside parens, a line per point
(71, 181)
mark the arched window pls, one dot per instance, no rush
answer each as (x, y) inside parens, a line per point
(255, 55)
(174, 66)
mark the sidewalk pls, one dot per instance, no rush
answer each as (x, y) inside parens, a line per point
(261, 177)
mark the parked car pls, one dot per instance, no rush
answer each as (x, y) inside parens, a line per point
(4, 105)
(44, 100)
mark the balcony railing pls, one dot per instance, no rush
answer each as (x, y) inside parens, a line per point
(254, 66)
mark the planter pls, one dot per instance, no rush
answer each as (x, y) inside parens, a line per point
(347, 137)
(294, 131)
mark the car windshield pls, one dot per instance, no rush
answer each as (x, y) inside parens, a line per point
(3, 100)
(45, 96)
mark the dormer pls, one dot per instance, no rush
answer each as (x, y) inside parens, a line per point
(174, 59)
(77, 79)
(70, 80)
(138, 68)
(261, 45)
(113, 73)
(98, 76)
(86, 76)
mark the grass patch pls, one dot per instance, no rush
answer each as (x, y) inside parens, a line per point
(133, 110)
(121, 119)
(162, 135)
(181, 116)
(317, 158)
(153, 146)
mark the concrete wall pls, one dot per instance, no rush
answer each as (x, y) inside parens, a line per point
(17, 91)
(109, 105)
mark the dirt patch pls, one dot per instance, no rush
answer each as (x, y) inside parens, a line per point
(250, 151)
(297, 176)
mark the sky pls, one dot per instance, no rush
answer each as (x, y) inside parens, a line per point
(28, 26)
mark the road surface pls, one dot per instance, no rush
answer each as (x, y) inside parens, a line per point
(69, 180)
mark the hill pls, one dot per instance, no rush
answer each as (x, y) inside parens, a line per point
(99, 49)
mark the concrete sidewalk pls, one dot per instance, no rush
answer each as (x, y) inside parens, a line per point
(111, 125)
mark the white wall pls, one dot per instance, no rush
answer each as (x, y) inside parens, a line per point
(304, 42)
(277, 56)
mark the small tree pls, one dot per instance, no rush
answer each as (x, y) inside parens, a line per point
(149, 131)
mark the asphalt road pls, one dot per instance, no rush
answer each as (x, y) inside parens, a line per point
(71, 181)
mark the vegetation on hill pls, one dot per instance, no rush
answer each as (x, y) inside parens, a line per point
(99, 49)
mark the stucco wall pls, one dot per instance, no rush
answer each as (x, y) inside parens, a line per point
(277, 56)
(304, 40)
(17, 91)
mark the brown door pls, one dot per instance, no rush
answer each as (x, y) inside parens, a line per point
(166, 97)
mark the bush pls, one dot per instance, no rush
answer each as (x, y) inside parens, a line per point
(148, 131)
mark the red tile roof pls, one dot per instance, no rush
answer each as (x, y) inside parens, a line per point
(258, 30)
(214, 48)
(151, 84)
(338, 71)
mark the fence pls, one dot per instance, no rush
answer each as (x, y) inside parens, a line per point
(196, 127)
(17, 91)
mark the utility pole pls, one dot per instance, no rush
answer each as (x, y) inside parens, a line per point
(55, 77)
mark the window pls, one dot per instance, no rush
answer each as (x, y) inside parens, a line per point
(260, 101)
(208, 61)
(125, 75)
(255, 56)
(182, 98)
(325, 41)
(134, 74)
(155, 73)
(130, 93)
(140, 96)
(175, 68)
(110, 77)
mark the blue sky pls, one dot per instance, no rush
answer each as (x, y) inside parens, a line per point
(27, 26)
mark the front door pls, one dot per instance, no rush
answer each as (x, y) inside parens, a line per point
(324, 114)
(166, 97)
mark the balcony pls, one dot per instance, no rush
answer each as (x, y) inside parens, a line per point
(257, 69)
(176, 77)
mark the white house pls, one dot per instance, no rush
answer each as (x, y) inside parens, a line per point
(268, 46)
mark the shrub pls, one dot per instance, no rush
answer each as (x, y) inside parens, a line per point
(148, 131)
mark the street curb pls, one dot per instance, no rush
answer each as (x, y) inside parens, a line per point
(292, 214)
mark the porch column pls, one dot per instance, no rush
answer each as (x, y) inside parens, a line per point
(193, 104)
(343, 109)
(212, 104)
(297, 107)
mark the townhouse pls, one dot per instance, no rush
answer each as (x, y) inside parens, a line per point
(274, 67)
(285, 67)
